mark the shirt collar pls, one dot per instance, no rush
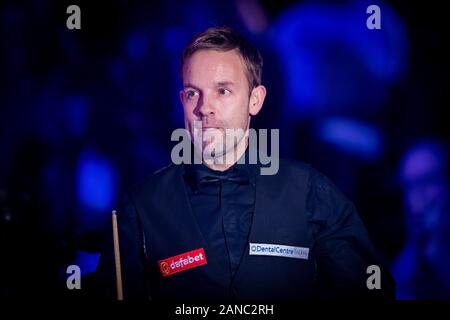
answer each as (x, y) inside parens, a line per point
(242, 164)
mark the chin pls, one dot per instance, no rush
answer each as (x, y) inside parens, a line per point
(213, 150)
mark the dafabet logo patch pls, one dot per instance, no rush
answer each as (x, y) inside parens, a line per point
(182, 262)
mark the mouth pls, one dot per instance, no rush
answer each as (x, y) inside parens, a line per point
(210, 130)
(210, 127)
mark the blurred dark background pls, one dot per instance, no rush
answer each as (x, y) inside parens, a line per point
(85, 114)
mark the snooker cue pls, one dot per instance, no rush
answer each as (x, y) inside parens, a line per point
(117, 256)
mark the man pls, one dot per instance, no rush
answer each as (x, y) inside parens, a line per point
(223, 230)
(421, 268)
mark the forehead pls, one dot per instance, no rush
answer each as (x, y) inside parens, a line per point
(206, 66)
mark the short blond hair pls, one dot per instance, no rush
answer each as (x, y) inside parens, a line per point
(226, 39)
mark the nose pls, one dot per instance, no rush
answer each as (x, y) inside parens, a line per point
(204, 107)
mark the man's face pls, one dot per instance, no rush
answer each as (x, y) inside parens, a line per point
(216, 93)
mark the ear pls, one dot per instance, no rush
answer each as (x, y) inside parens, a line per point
(256, 99)
(182, 97)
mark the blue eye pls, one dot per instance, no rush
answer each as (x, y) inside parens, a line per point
(223, 91)
(191, 94)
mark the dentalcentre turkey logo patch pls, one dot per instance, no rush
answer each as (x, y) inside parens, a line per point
(182, 262)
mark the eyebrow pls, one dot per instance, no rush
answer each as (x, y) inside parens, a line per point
(217, 84)
(224, 83)
(190, 85)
